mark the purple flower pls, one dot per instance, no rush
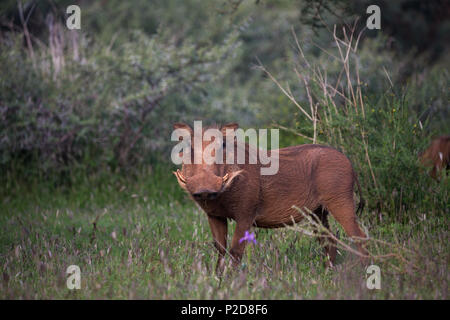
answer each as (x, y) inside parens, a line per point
(250, 237)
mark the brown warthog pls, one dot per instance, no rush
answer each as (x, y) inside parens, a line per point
(310, 176)
(437, 156)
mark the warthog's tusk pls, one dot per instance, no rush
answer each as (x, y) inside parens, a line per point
(228, 179)
(180, 176)
(225, 178)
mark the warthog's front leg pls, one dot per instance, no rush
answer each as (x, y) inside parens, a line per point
(219, 229)
(237, 247)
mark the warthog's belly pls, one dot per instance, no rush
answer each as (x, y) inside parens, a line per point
(279, 218)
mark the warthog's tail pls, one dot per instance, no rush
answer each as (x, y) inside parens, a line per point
(362, 202)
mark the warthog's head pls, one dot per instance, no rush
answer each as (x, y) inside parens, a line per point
(206, 180)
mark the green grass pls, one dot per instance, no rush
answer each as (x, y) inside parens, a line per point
(151, 242)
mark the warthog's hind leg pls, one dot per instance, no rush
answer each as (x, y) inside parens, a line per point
(344, 213)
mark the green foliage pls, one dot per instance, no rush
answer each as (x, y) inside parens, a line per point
(346, 98)
(81, 102)
(393, 179)
(421, 29)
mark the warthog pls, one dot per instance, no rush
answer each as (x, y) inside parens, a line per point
(437, 155)
(315, 177)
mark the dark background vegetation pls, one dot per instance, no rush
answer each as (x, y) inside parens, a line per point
(87, 114)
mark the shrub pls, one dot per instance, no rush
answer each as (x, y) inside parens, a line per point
(382, 136)
(76, 100)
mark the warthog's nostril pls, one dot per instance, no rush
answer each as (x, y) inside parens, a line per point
(205, 194)
(212, 195)
(197, 195)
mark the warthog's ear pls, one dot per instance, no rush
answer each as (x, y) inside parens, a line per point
(181, 179)
(180, 125)
(229, 126)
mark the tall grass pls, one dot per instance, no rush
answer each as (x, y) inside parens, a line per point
(151, 242)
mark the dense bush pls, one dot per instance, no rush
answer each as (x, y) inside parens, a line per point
(78, 99)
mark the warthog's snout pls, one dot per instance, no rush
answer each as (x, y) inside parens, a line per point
(206, 185)
(205, 195)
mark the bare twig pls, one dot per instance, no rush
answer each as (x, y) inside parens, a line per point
(323, 232)
(26, 32)
(294, 132)
(286, 93)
